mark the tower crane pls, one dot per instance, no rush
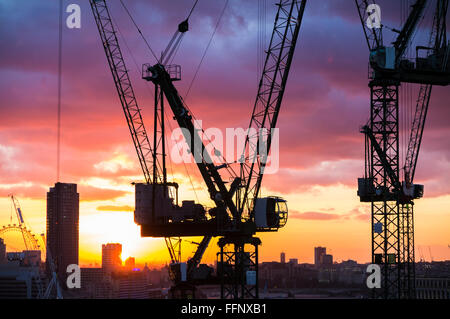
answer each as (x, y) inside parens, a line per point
(391, 197)
(29, 239)
(239, 211)
(19, 215)
(53, 283)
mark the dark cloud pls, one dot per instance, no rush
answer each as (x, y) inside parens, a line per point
(326, 99)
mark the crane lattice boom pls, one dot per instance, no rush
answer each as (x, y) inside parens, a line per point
(271, 89)
(124, 87)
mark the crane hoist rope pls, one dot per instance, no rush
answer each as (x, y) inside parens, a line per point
(139, 30)
(205, 51)
(152, 94)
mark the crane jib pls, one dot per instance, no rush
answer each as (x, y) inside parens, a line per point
(270, 93)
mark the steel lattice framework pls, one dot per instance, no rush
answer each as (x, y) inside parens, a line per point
(407, 258)
(415, 138)
(227, 221)
(124, 88)
(374, 36)
(268, 100)
(234, 267)
(385, 218)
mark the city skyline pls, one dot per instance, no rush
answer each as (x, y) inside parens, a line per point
(318, 173)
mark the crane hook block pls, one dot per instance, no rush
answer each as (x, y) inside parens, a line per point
(183, 26)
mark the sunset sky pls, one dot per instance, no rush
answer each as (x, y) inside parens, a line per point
(321, 149)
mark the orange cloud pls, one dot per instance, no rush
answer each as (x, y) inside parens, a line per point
(112, 208)
(314, 216)
(90, 193)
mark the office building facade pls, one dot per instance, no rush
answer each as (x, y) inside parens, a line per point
(319, 252)
(111, 257)
(63, 203)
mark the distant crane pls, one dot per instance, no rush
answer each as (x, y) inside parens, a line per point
(239, 212)
(421, 255)
(431, 255)
(54, 282)
(29, 239)
(392, 200)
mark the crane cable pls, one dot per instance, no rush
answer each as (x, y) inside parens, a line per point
(58, 142)
(192, 81)
(178, 37)
(154, 55)
(169, 123)
(139, 30)
(406, 99)
(206, 50)
(115, 24)
(229, 169)
(262, 23)
(192, 9)
(151, 93)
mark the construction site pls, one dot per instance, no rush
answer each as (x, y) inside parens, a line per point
(243, 204)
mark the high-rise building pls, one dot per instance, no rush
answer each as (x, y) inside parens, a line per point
(2, 251)
(327, 259)
(111, 259)
(319, 252)
(130, 263)
(63, 204)
(282, 258)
